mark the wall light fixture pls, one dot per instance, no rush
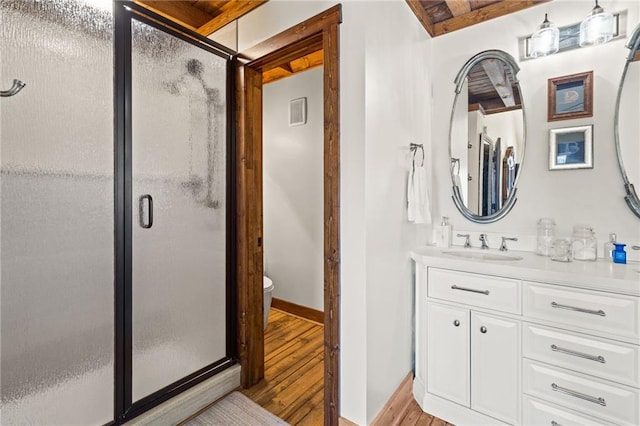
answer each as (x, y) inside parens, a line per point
(546, 40)
(597, 28)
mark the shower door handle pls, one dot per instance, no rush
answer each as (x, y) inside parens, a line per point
(149, 222)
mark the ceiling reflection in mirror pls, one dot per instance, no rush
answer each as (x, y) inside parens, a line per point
(627, 126)
(487, 136)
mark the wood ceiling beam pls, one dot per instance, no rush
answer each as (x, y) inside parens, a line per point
(231, 11)
(181, 12)
(287, 66)
(312, 60)
(498, 77)
(458, 7)
(486, 13)
(304, 63)
(422, 16)
(212, 7)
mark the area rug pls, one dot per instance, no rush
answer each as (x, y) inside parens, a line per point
(236, 409)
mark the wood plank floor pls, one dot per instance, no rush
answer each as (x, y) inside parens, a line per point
(414, 416)
(292, 387)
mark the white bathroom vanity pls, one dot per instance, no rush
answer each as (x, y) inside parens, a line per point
(524, 340)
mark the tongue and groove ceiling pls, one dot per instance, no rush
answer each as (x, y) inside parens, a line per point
(438, 17)
(202, 16)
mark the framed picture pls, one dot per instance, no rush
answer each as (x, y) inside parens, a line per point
(571, 148)
(570, 97)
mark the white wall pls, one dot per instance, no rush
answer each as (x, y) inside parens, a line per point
(593, 196)
(397, 111)
(385, 105)
(293, 190)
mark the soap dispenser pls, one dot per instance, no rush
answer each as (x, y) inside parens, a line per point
(609, 247)
(619, 255)
(443, 236)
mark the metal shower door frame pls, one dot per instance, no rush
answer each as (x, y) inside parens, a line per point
(124, 407)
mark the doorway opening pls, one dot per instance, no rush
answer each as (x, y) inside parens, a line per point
(317, 33)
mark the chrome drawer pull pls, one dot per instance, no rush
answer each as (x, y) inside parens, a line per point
(554, 423)
(573, 308)
(599, 401)
(472, 290)
(598, 358)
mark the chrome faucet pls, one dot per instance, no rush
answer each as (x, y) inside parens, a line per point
(467, 243)
(483, 239)
(503, 246)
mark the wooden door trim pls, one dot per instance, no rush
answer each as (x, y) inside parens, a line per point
(250, 65)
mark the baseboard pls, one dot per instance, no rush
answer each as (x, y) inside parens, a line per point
(345, 422)
(191, 401)
(298, 310)
(395, 408)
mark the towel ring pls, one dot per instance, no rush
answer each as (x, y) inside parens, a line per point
(15, 88)
(413, 147)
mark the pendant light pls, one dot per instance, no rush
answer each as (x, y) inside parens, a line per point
(546, 40)
(597, 28)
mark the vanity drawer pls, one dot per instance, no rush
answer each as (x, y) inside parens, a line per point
(591, 396)
(604, 358)
(591, 310)
(501, 294)
(538, 413)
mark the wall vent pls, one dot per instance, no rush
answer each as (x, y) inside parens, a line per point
(298, 112)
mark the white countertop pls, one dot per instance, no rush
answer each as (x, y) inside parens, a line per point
(599, 275)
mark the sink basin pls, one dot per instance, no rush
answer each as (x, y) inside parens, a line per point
(482, 254)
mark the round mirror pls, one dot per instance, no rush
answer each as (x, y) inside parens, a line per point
(486, 136)
(627, 124)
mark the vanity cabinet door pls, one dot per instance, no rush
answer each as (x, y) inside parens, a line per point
(448, 353)
(495, 366)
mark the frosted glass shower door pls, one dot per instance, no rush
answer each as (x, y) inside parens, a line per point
(178, 204)
(57, 219)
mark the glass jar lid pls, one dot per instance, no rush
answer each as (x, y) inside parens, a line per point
(583, 231)
(546, 222)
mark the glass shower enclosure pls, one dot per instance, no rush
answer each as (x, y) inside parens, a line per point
(115, 216)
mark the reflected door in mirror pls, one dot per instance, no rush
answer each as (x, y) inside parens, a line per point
(486, 136)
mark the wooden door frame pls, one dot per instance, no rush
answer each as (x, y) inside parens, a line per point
(320, 31)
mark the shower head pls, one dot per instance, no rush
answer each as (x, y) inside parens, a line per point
(195, 68)
(17, 86)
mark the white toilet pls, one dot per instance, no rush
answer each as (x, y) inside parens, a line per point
(267, 286)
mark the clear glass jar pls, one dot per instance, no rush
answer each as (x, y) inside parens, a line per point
(562, 250)
(546, 235)
(583, 243)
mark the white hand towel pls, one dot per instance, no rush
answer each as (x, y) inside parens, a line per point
(418, 210)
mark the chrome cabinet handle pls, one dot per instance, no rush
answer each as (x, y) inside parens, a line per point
(472, 290)
(574, 308)
(483, 329)
(554, 423)
(597, 358)
(149, 199)
(576, 394)
(456, 323)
